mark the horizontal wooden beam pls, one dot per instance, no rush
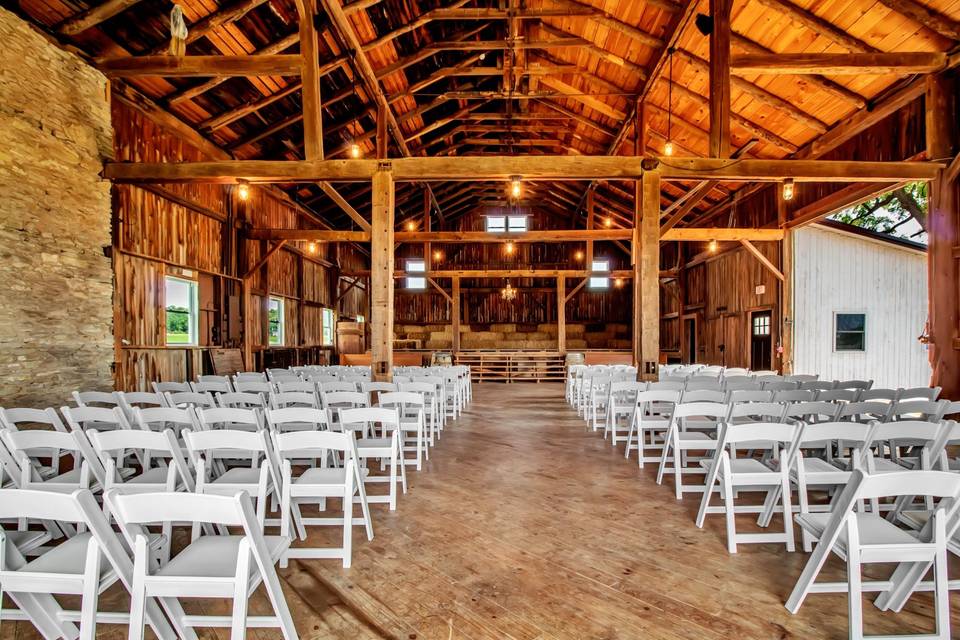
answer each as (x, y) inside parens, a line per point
(503, 168)
(504, 273)
(469, 13)
(309, 235)
(201, 66)
(575, 235)
(837, 64)
(721, 234)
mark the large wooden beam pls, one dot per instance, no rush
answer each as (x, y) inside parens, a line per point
(561, 314)
(201, 66)
(381, 277)
(926, 16)
(943, 227)
(93, 16)
(455, 316)
(471, 13)
(310, 62)
(345, 206)
(720, 79)
(721, 234)
(310, 235)
(835, 64)
(264, 259)
(502, 168)
(769, 266)
(646, 280)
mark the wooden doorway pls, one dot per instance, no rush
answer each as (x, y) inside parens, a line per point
(761, 340)
(689, 348)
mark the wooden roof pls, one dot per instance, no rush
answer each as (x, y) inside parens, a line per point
(469, 77)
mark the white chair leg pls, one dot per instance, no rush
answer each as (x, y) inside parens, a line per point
(787, 500)
(91, 589)
(138, 590)
(348, 522)
(238, 622)
(854, 594)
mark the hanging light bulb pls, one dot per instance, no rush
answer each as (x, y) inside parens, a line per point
(509, 248)
(608, 222)
(243, 189)
(788, 189)
(411, 225)
(712, 246)
(618, 283)
(578, 256)
(516, 187)
(668, 148)
(312, 247)
(438, 255)
(354, 150)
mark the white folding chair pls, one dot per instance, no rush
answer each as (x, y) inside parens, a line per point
(316, 484)
(99, 418)
(735, 474)
(212, 386)
(253, 386)
(235, 418)
(171, 387)
(95, 399)
(211, 566)
(241, 400)
(410, 407)
(860, 537)
(621, 405)
(28, 446)
(129, 400)
(431, 407)
(651, 416)
(681, 439)
(86, 564)
(186, 399)
(387, 449)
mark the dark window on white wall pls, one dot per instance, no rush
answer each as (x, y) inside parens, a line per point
(850, 332)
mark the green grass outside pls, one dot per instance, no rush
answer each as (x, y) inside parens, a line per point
(178, 338)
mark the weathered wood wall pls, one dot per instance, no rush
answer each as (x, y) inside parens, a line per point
(197, 231)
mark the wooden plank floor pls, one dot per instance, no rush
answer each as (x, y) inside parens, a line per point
(524, 525)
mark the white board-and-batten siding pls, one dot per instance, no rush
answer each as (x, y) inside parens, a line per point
(842, 272)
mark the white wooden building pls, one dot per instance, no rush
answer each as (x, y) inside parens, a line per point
(860, 304)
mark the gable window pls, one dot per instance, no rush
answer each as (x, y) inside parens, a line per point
(328, 324)
(597, 282)
(275, 316)
(506, 224)
(416, 282)
(850, 332)
(182, 309)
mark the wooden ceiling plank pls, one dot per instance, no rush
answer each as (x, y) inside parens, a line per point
(926, 16)
(93, 16)
(819, 26)
(421, 20)
(212, 22)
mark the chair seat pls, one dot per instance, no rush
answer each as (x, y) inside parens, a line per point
(67, 558)
(697, 436)
(819, 465)
(27, 541)
(373, 443)
(216, 556)
(322, 476)
(71, 477)
(882, 465)
(874, 530)
(156, 475)
(239, 475)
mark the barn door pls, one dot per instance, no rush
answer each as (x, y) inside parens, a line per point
(761, 341)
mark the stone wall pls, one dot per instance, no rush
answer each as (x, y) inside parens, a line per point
(517, 336)
(56, 309)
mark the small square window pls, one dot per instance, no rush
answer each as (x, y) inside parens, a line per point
(416, 282)
(850, 332)
(598, 282)
(761, 325)
(182, 307)
(516, 224)
(496, 224)
(275, 316)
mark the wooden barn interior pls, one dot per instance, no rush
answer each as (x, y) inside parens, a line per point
(534, 198)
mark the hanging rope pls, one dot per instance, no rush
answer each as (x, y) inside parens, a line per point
(178, 32)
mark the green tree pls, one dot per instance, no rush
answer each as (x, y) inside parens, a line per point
(178, 319)
(889, 212)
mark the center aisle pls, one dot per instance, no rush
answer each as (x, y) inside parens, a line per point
(525, 525)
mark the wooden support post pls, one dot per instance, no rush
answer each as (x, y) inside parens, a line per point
(561, 314)
(381, 276)
(427, 255)
(786, 304)
(720, 79)
(943, 231)
(455, 316)
(646, 276)
(309, 52)
(590, 223)
(381, 132)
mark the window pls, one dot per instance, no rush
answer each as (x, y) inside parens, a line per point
(850, 332)
(516, 224)
(416, 282)
(496, 224)
(509, 224)
(597, 282)
(761, 325)
(182, 311)
(359, 319)
(275, 316)
(329, 322)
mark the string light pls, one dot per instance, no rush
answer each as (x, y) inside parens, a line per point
(312, 247)
(516, 187)
(354, 150)
(712, 246)
(788, 189)
(509, 248)
(243, 190)
(578, 256)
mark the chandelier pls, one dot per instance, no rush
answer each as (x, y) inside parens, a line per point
(508, 293)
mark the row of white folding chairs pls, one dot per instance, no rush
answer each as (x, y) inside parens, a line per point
(212, 565)
(165, 460)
